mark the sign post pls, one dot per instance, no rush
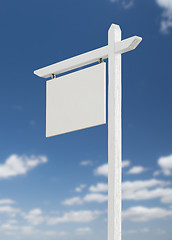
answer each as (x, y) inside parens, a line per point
(114, 135)
(113, 52)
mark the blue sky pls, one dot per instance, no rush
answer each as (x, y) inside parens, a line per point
(56, 188)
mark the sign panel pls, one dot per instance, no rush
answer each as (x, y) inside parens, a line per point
(76, 101)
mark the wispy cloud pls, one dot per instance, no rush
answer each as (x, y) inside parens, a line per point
(75, 216)
(82, 231)
(88, 198)
(131, 186)
(166, 21)
(35, 216)
(95, 197)
(137, 170)
(145, 230)
(143, 214)
(142, 190)
(32, 122)
(9, 226)
(131, 190)
(11, 211)
(99, 187)
(80, 188)
(86, 163)
(166, 18)
(19, 165)
(28, 230)
(73, 201)
(18, 107)
(6, 201)
(166, 165)
(103, 169)
(126, 163)
(125, 3)
(156, 173)
(142, 184)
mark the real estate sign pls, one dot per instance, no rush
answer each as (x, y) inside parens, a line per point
(76, 101)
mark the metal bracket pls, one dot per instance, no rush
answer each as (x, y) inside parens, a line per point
(53, 76)
(100, 60)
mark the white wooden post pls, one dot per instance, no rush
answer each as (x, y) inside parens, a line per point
(114, 135)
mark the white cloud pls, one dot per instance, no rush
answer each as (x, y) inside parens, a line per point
(8, 226)
(125, 3)
(145, 230)
(140, 190)
(167, 4)
(54, 233)
(100, 187)
(131, 190)
(166, 18)
(35, 216)
(28, 230)
(73, 201)
(164, 194)
(166, 21)
(75, 216)
(12, 221)
(86, 163)
(80, 188)
(103, 169)
(126, 163)
(131, 185)
(9, 210)
(143, 214)
(20, 165)
(156, 173)
(91, 197)
(82, 231)
(166, 164)
(136, 190)
(142, 184)
(6, 201)
(95, 197)
(136, 170)
(11, 229)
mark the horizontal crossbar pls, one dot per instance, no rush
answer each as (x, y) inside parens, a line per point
(87, 58)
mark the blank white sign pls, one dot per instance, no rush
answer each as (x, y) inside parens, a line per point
(76, 101)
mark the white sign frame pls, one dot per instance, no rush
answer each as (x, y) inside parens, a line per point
(113, 52)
